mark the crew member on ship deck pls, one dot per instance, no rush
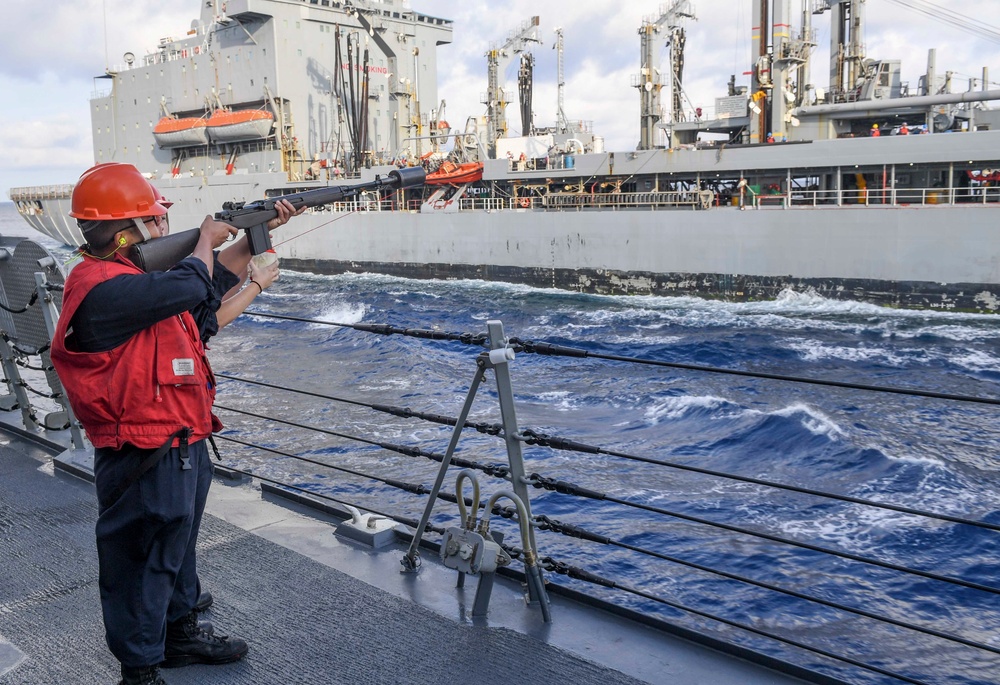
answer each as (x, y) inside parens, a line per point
(130, 351)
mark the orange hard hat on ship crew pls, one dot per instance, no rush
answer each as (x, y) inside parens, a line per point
(159, 197)
(114, 190)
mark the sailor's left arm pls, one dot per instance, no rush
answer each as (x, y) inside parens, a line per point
(260, 278)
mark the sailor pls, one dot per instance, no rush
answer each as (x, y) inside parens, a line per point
(875, 132)
(130, 351)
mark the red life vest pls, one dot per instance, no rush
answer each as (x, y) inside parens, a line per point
(143, 390)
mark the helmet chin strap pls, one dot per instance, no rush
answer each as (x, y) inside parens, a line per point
(142, 229)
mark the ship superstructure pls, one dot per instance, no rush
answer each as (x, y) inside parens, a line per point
(864, 189)
(343, 82)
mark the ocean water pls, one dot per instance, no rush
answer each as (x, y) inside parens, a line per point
(922, 453)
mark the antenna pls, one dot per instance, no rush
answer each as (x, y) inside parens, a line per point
(560, 102)
(104, 10)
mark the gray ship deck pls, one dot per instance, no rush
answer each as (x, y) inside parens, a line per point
(308, 618)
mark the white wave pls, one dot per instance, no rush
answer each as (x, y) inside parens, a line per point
(816, 422)
(814, 350)
(923, 459)
(341, 312)
(560, 400)
(976, 360)
(638, 318)
(851, 528)
(952, 332)
(787, 302)
(676, 407)
(968, 359)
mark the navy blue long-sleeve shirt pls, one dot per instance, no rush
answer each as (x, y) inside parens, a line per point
(117, 309)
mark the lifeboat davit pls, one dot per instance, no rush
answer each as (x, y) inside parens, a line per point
(183, 132)
(226, 126)
(449, 172)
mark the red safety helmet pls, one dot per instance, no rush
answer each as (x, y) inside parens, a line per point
(114, 190)
(167, 204)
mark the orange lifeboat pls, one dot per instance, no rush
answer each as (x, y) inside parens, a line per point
(172, 132)
(449, 172)
(227, 126)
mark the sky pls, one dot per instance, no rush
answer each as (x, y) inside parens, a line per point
(52, 51)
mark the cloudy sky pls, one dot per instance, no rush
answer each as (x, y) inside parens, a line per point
(52, 51)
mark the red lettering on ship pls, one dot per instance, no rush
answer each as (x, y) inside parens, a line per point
(372, 69)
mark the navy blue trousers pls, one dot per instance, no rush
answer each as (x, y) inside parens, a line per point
(146, 547)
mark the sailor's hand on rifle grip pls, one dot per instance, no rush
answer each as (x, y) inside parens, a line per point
(286, 210)
(216, 232)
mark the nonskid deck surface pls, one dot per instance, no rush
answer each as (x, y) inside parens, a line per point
(305, 621)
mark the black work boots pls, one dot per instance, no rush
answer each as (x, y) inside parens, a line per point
(147, 675)
(187, 643)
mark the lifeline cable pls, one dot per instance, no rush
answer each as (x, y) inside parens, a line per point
(546, 523)
(572, 572)
(406, 487)
(533, 437)
(550, 349)
(22, 310)
(567, 488)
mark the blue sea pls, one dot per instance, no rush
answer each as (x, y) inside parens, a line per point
(923, 453)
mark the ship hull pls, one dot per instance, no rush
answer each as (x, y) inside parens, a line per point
(925, 256)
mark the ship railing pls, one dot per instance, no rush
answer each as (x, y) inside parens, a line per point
(640, 545)
(651, 200)
(871, 196)
(360, 205)
(53, 192)
(663, 538)
(799, 197)
(485, 204)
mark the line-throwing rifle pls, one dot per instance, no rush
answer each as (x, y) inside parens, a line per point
(160, 254)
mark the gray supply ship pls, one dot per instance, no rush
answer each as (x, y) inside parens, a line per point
(870, 188)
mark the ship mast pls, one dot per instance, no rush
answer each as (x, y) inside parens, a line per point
(561, 120)
(497, 60)
(649, 81)
(780, 76)
(847, 52)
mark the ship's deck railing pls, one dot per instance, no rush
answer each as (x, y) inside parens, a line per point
(53, 192)
(658, 574)
(863, 611)
(690, 199)
(876, 196)
(652, 200)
